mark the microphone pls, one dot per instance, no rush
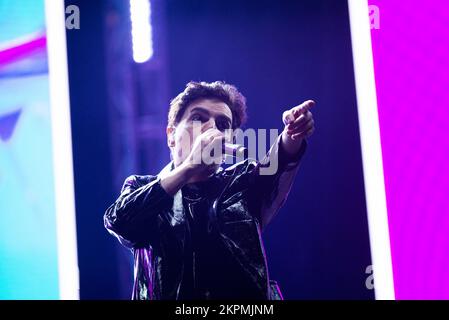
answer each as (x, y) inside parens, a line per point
(235, 150)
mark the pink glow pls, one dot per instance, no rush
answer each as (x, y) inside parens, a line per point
(411, 59)
(19, 51)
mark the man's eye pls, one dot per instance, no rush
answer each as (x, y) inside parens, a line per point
(197, 117)
(223, 125)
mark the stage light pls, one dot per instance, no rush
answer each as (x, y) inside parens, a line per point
(62, 151)
(140, 11)
(371, 149)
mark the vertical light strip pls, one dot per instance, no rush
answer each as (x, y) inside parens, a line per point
(371, 149)
(62, 150)
(142, 37)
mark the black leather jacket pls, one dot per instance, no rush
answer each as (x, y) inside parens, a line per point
(153, 224)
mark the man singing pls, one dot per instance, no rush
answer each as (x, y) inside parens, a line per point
(195, 228)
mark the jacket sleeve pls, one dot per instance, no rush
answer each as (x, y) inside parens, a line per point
(133, 217)
(271, 180)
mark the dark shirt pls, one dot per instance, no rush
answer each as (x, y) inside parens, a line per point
(165, 233)
(210, 271)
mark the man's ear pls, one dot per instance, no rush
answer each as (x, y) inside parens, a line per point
(170, 136)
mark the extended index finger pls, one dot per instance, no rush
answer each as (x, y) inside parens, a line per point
(303, 108)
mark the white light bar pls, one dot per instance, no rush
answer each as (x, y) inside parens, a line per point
(141, 30)
(371, 149)
(62, 150)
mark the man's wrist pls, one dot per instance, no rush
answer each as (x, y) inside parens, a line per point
(173, 181)
(291, 147)
(186, 171)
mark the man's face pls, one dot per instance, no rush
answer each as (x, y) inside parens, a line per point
(199, 116)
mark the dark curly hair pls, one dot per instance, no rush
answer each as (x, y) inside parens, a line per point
(204, 90)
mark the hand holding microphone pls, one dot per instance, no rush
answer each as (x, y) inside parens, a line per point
(202, 159)
(235, 150)
(194, 168)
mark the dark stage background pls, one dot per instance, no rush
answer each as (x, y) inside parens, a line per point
(278, 53)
